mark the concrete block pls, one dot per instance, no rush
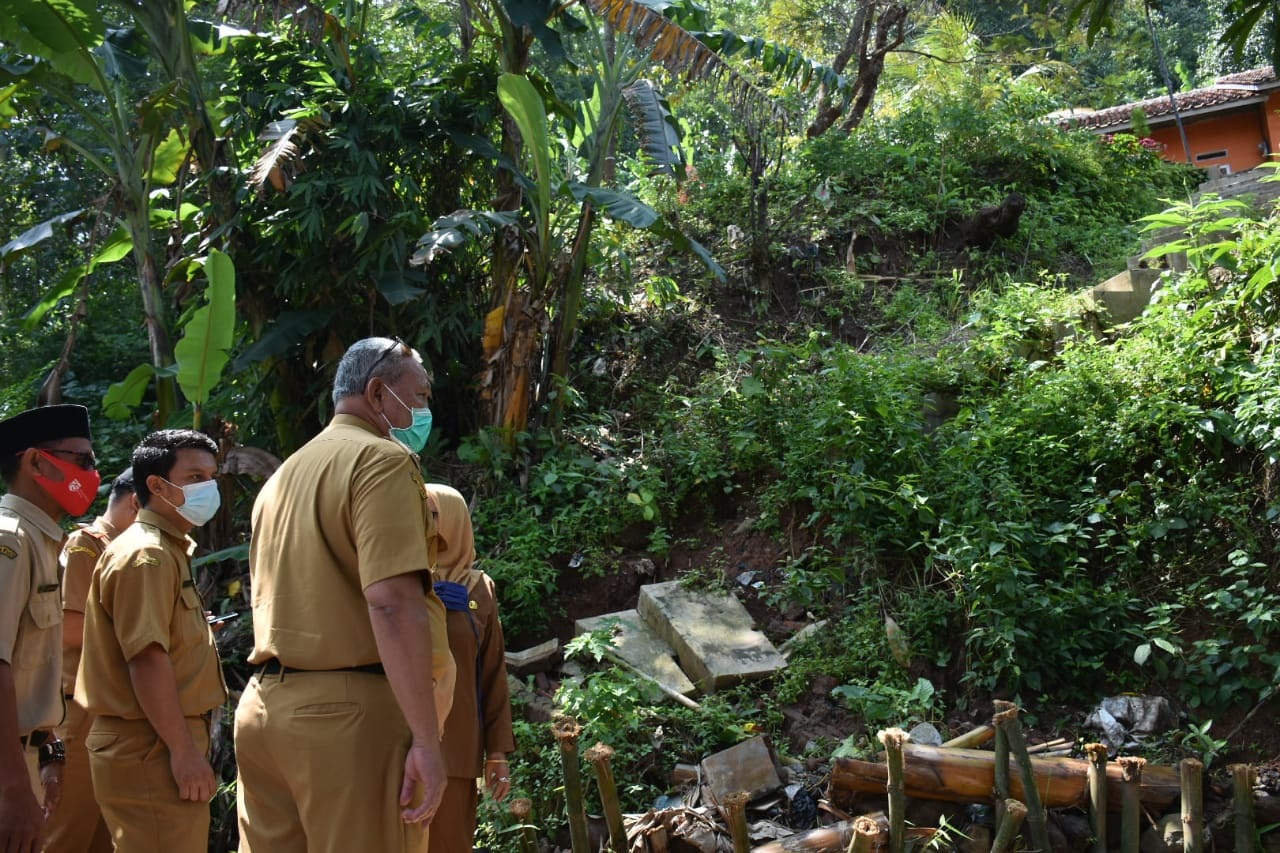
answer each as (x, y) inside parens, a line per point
(747, 766)
(639, 646)
(711, 633)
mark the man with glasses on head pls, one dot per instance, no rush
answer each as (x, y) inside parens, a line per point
(338, 732)
(47, 461)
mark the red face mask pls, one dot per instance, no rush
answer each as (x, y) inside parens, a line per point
(77, 488)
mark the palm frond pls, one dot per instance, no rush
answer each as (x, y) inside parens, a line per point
(271, 165)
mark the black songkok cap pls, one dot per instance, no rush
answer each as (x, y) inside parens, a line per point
(42, 425)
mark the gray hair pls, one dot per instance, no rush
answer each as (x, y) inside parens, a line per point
(368, 359)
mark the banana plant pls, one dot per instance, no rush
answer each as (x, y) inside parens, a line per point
(138, 137)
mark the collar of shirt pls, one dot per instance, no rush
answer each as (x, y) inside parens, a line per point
(106, 527)
(355, 421)
(158, 521)
(33, 514)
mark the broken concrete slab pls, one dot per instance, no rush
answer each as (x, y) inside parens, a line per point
(748, 766)
(639, 646)
(711, 633)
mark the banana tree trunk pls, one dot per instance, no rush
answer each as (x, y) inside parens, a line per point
(153, 314)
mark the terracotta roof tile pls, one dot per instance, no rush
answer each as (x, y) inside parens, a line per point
(1231, 87)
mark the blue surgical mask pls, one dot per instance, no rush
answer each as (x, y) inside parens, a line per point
(200, 502)
(415, 435)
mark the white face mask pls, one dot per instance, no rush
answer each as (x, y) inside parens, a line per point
(200, 501)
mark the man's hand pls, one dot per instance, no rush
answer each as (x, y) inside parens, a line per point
(497, 776)
(21, 819)
(424, 765)
(194, 776)
(51, 783)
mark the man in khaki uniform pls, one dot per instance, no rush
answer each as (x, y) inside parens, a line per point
(149, 670)
(77, 826)
(46, 459)
(338, 733)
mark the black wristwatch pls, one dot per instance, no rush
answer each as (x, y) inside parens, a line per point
(52, 752)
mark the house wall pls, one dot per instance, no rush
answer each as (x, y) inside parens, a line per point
(1238, 135)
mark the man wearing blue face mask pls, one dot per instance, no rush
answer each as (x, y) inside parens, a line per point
(150, 669)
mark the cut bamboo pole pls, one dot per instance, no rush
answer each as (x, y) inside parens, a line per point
(1007, 833)
(865, 833)
(1037, 819)
(1242, 777)
(968, 776)
(1130, 804)
(893, 740)
(735, 814)
(1049, 746)
(520, 810)
(971, 739)
(600, 755)
(1097, 753)
(1192, 805)
(566, 731)
(1002, 790)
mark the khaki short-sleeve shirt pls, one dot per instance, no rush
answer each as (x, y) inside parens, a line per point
(143, 592)
(80, 554)
(31, 611)
(344, 512)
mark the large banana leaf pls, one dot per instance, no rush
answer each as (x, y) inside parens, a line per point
(117, 246)
(60, 31)
(288, 330)
(202, 353)
(521, 100)
(126, 395)
(656, 127)
(36, 234)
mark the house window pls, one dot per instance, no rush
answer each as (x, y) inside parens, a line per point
(1211, 155)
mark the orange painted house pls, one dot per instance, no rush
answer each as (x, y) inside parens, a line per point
(1231, 126)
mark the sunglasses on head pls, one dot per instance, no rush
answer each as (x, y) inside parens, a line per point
(382, 356)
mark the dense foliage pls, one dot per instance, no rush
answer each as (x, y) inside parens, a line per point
(935, 429)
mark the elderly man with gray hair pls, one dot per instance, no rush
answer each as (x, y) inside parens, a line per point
(338, 732)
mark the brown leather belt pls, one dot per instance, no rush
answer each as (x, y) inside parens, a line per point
(35, 739)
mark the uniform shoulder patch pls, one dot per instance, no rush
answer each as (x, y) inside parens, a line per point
(6, 551)
(145, 559)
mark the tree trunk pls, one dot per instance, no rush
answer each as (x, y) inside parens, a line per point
(888, 25)
(968, 776)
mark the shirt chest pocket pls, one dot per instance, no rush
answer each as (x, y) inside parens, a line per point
(190, 611)
(41, 639)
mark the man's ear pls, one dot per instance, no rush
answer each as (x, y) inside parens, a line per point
(34, 462)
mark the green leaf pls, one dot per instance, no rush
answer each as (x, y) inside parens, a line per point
(1166, 645)
(168, 158)
(126, 395)
(36, 234)
(521, 100)
(1141, 653)
(288, 330)
(202, 352)
(60, 31)
(617, 204)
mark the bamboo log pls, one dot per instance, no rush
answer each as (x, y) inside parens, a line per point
(1002, 794)
(972, 739)
(836, 837)
(1130, 806)
(1037, 818)
(520, 810)
(1192, 806)
(1097, 753)
(893, 740)
(566, 731)
(1242, 776)
(735, 812)
(865, 833)
(1014, 813)
(968, 776)
(600, 755)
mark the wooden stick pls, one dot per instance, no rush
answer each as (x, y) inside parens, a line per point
(1097, 753)
(1014, 813)
(735, 813)
(1242, 777)
(674, 694)
(1037, 818)
(1048, 746)
(1130, 805)
(566, 731)
(893, 739)
(972, 739)
(865, 833)
(600, 755)
(1002, 789)
(1192, 805)
(520, 810)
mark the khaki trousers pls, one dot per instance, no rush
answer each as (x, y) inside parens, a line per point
(321, 759)
(77, 825)
(453, 830)
(135, 788)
